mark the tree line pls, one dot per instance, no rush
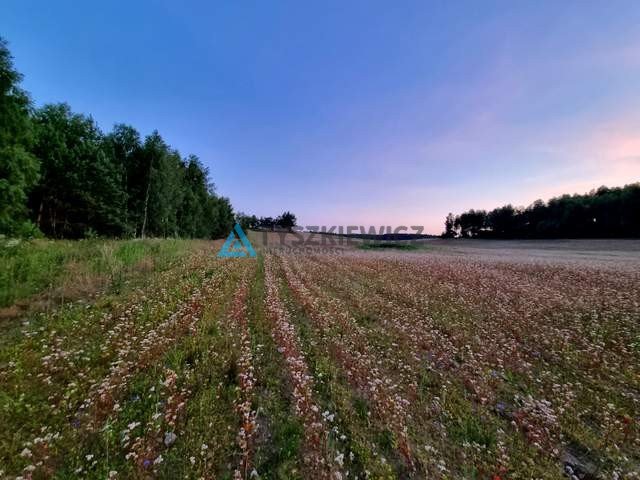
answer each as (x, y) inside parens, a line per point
(286, 221)
(62, 176)
(602, 213)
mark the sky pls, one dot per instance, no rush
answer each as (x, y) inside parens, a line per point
(355, 112)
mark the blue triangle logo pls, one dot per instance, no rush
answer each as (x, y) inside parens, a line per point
(236, 247)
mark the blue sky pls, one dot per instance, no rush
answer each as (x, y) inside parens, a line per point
(349, 113)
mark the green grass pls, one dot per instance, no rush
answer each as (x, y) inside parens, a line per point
(30, 267)
(67, 269)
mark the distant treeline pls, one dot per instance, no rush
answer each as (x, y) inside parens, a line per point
(380, 236)
(286, 221)
(602, 213)
(62, 176)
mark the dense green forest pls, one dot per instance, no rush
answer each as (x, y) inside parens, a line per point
(602, 213)
(60, 175)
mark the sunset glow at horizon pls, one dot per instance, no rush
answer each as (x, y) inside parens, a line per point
(356, 113)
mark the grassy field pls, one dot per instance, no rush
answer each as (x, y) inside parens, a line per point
(156, 359)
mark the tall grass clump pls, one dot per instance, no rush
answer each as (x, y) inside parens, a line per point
(27, 267)
(68, 268)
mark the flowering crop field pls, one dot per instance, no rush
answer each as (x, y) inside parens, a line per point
(439, 362)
